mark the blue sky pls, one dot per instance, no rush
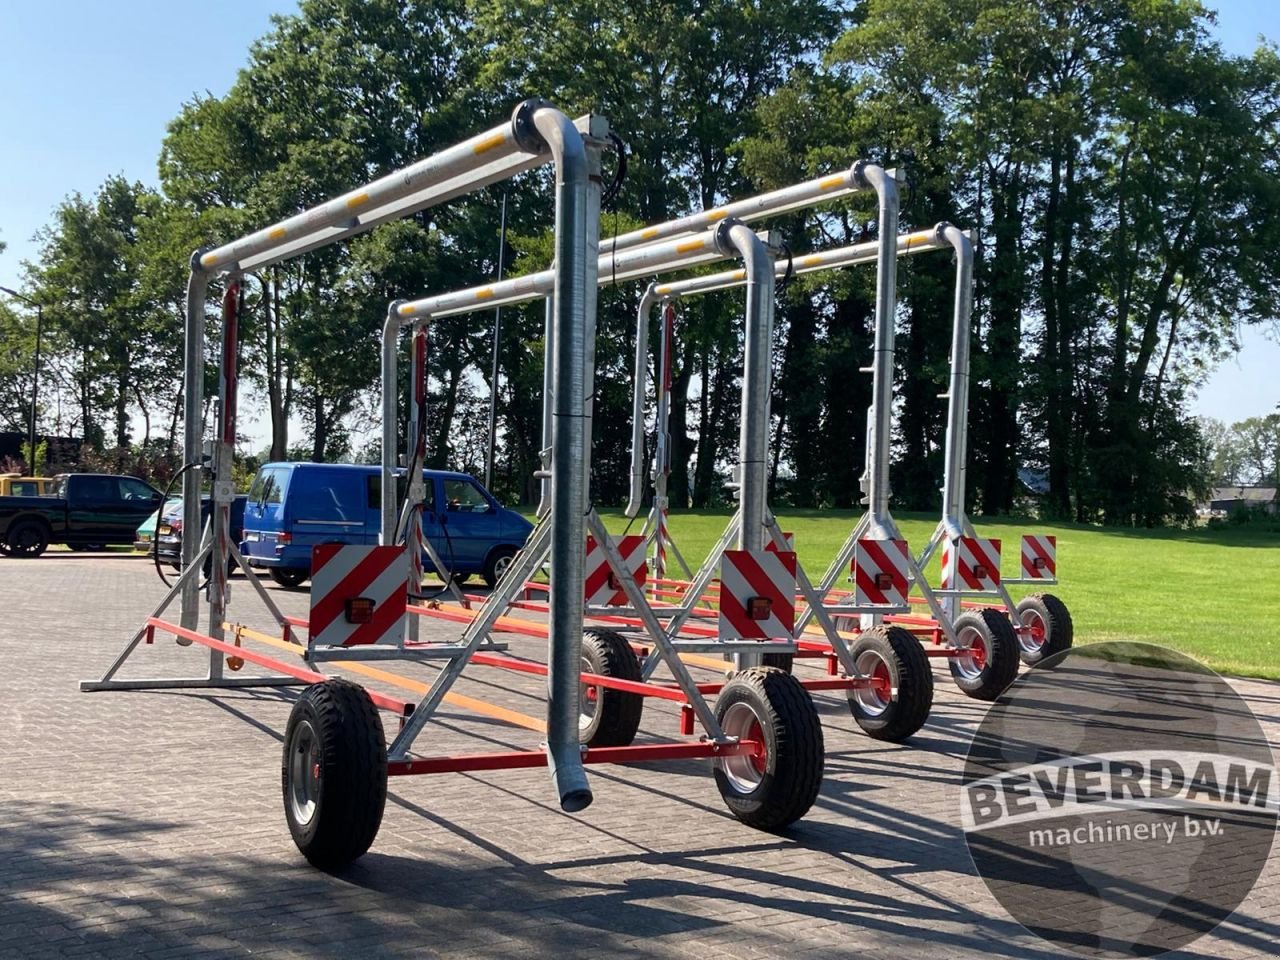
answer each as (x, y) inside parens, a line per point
(87, 87)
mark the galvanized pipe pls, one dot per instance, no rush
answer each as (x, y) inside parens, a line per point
(548, 391)
(346, 211)
(753, 438)
(577, 198)
(193, 435)
(641, 375)
(390, 413)
(953, 482)
(794, 197)
(885, 183)
(223, 491)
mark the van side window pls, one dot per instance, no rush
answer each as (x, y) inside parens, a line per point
(463, 496)
(375, 492)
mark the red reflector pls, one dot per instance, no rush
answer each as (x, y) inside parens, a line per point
(980, 572)
(1039, 563)
(758, 608)
(884, 581)
(284, 537)
(359, 610)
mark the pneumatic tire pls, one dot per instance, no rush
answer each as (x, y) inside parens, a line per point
(770, 707)
(609, 718)
(496, 564)
(27, 538)
(898, 701)
(1049, 629)
(291, 578)
(334, 773)
(988, 661)
(785, 662)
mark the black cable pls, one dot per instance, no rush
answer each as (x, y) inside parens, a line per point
(780, 288)
(155, 542)
(619, 173)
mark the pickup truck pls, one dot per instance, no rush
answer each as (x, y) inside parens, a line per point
(16, 485)
(86, 509)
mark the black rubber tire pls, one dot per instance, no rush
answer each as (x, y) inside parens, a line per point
(792, 774)
(1059, 632)
(1001, 666)
(492, 562)
(910, 680)
(616, 717)
(291, 578)
(337, 726)
(460, 578)
(785, 662)
(27, 539)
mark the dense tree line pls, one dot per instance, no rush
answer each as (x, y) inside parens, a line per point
(1122, 173)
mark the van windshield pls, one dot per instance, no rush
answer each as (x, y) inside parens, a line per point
(267, 486)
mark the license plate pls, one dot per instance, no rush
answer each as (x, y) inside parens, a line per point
(250, 536)
(163, 530)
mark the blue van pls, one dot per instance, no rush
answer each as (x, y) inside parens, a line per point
(294, 506)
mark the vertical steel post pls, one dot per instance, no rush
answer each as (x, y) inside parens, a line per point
(548, 394)
(953, 484)
(193, 433)
(224, 491)
(885, 183)
(576, 253)
(640, 377)
(497, 340)
(415, 454)
(390, 413)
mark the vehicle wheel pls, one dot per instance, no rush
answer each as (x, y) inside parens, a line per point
(334, 773)
(608, 718)
(770, 707)
(988, 660)
(290, 578)
(27, 538)
(899, 701)
(1050, 630)
(496, 564)
(779, 661)
(77, 547)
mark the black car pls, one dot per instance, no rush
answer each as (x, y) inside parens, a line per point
(168, 542)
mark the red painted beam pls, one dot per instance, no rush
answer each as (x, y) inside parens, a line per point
(393, 704)
(525, 759)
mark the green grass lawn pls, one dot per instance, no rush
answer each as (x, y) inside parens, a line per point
(1213, 593)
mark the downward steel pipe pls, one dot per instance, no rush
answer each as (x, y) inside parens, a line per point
(953, 483)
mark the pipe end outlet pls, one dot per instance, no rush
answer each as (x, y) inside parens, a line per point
(523, 129)
(575, 801)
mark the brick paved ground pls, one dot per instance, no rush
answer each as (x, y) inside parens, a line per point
(150, 824)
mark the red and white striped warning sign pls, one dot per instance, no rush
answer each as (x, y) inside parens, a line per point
(358, 594)
(757, 595)
(602, 587)
(788, 536)
(971, 563)
(1040, 558)
(880, 572)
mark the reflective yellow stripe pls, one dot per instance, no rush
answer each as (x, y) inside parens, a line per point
(648, 233)
(359, 200)
(484, 294)
(690, 246)
(832, 182)
(714, 215)
(277, 233)
(811, 261)
(208, 260)
(663, 290)
(405, 309)
(497, 140)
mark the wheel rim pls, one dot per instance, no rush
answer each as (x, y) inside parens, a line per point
(1036, 633)
(501, 565)
(304, 773)
(744, 771)
(27, 541)
(874, 698)
(972, 658)
(588, 699)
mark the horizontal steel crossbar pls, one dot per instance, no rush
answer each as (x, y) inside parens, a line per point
(524, 759)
